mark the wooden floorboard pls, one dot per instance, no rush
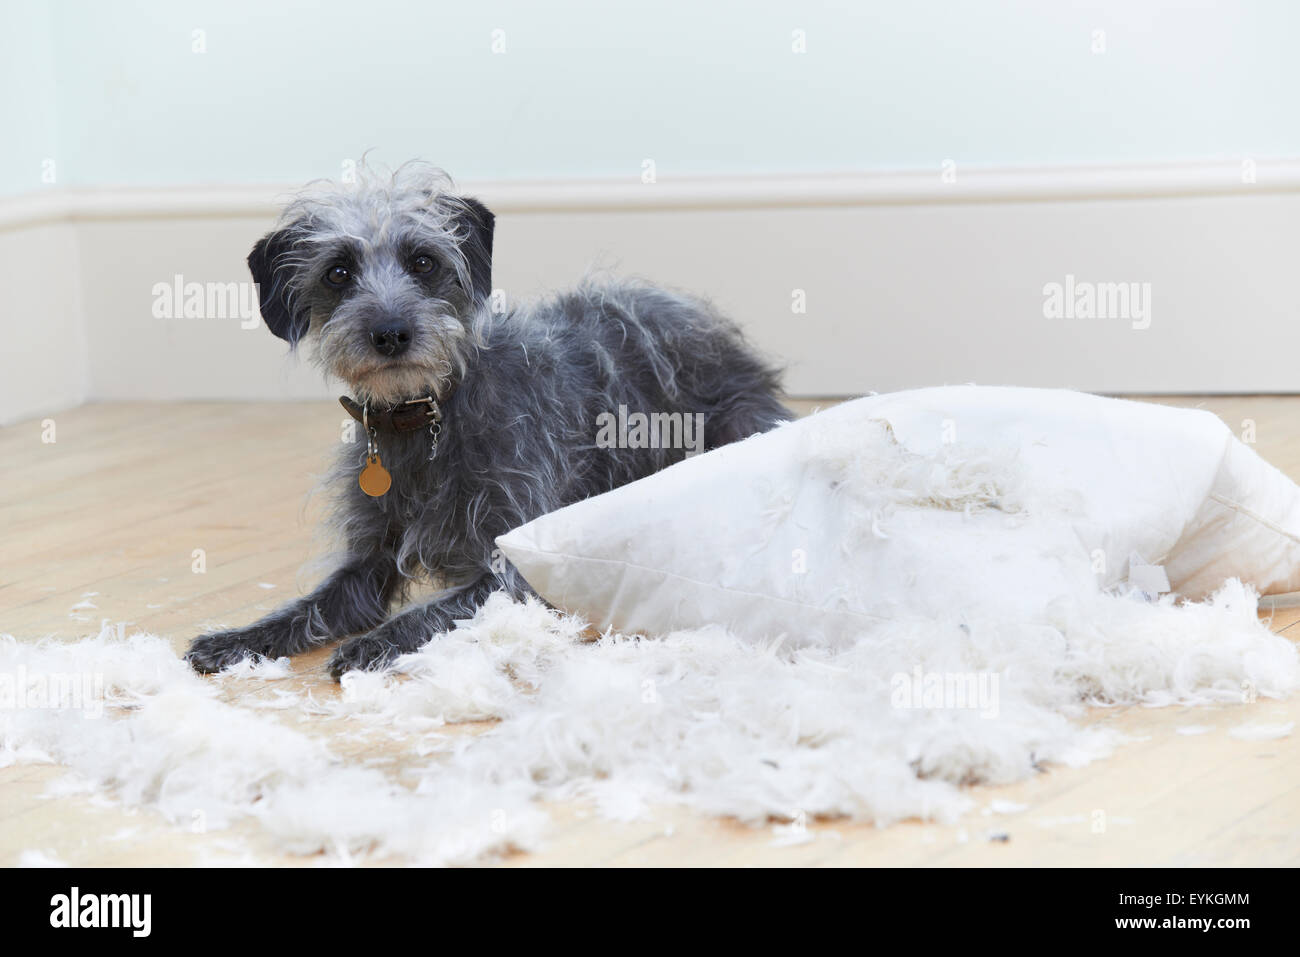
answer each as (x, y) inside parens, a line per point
(119, 503)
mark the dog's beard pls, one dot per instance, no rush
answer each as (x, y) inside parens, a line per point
(430, 367)
(396, 381)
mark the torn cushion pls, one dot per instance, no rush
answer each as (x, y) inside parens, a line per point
(994, 503)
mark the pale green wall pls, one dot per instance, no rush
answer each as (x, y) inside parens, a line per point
(29, 136)
(289, 90)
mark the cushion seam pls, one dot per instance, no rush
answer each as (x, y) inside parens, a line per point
(1243, 510)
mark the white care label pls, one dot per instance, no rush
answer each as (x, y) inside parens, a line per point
(1151, 579)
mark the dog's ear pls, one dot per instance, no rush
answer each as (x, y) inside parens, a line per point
(476, 223)
(271, 272)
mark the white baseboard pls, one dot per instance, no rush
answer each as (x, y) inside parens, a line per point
(909, 278)
(44, 363)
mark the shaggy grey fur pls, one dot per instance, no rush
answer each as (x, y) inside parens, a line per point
(522, 395)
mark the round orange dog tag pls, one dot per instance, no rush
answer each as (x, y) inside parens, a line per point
(374, 479)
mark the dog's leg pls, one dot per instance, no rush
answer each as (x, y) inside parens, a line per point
(413, 628)
(353, 599)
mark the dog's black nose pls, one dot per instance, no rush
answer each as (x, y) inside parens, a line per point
(391, 339)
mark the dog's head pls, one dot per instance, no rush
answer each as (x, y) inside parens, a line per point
(386, 278)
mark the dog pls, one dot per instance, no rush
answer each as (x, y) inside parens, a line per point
(474, 419)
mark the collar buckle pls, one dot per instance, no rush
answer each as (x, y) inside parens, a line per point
(433, 412)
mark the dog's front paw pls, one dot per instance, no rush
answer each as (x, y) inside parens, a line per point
(378, 649)
(219, 650)
(370, 652)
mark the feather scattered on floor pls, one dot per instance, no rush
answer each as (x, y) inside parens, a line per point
(39, 858)
(1262, 732)
(887, 729)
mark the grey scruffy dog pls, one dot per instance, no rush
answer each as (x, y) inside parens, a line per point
(391, 281)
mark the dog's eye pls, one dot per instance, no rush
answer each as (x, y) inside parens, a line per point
(423, 264)
(338, 276)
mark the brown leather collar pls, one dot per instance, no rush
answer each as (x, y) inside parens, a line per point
(409, 416)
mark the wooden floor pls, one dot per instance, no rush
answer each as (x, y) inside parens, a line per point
(111, 514)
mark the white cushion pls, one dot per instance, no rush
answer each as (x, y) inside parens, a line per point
(993, 503)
